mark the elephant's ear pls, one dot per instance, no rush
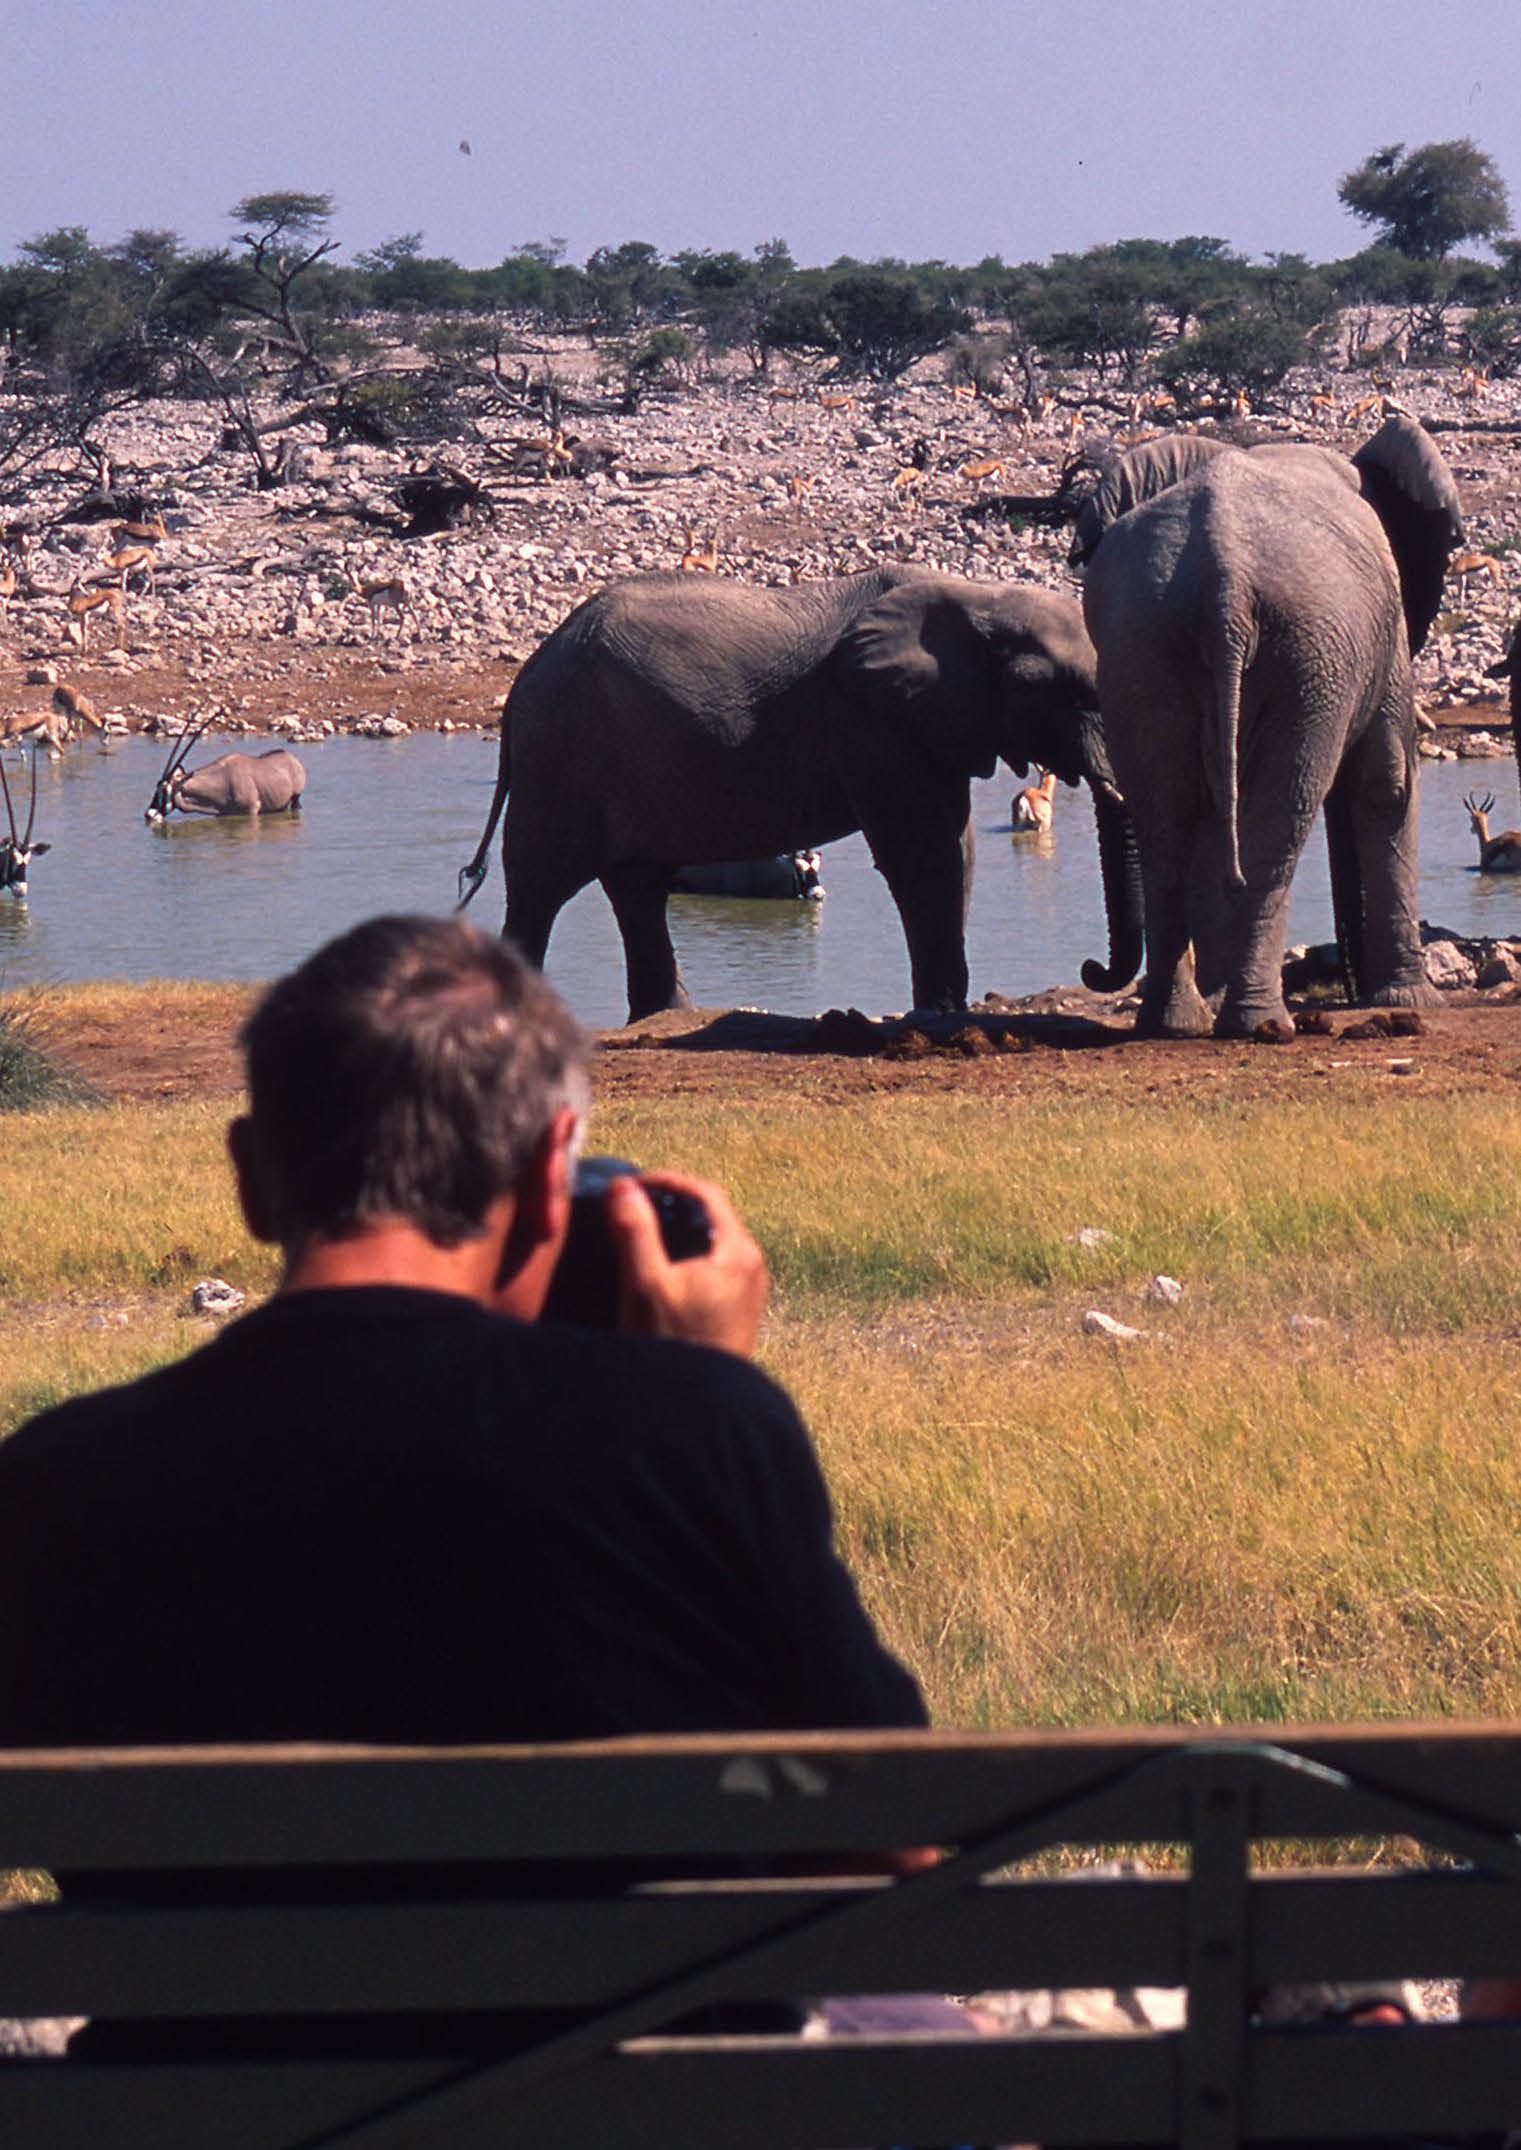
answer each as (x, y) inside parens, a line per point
(1129, 479)
(915, 652)
(1411, 490)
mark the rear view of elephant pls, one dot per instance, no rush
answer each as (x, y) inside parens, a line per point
(678, 720)
(1255, 613)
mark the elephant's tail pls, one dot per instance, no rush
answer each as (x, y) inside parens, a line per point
(471, 876)
(1228, 673)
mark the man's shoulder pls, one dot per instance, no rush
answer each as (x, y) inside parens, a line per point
(648, 1378)
(78, 1423)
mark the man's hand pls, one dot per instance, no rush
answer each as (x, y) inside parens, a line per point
(715, 1298)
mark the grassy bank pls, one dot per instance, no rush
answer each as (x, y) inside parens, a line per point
(1297, 1496)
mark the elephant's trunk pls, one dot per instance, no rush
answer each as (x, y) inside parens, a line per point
(1120, 864)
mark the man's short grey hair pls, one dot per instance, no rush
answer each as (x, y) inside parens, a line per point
(408, 1069)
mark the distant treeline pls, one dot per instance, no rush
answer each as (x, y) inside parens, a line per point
(86, 328)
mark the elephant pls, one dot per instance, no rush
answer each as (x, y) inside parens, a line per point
(679, 719)
(1255, 612)
(792, 876)
(269, 783)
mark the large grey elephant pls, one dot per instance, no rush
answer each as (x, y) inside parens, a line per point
(679, 719)
(1255, 613)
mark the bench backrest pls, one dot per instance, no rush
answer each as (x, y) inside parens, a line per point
(339, 1945)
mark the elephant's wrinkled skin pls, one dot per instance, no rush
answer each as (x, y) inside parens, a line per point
(1254, 615)
(679, 719)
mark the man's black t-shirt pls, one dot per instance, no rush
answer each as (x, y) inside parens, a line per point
(386, 1515)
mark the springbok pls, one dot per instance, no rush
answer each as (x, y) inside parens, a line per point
(388, 594)
(17, 852)
(798, 489)
(694, 562)
(75, 708)
(131, 560)
(83, 602)
(909, 483)
(1497, 854)
(987, 467)
(150, 531)
(1465, 564)
(1034, 806)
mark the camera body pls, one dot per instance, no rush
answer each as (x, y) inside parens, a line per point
(585, 1284)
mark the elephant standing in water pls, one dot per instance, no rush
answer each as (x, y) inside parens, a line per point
(676, 720)
(1255, 613)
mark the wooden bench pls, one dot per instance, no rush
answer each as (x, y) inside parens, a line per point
(402, 1910)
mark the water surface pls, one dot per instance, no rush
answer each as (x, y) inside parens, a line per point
(387, 823)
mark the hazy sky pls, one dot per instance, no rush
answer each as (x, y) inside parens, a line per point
(955, 128)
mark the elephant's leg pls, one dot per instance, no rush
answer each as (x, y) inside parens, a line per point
(928, 867)
(541, 879)
(1380, 783)
(1171, 1006)
(1291, 743)
(1252, 927)
(637, 894)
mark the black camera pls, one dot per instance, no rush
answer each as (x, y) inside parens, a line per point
(585, 1283)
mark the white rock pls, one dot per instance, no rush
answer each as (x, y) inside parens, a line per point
(213, 1295)
(1165, 1291)
(1118, 1332)
(1446, 964)
(1091, 1236)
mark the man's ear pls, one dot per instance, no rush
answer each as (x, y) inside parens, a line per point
(540, 1218)
(253, 1193)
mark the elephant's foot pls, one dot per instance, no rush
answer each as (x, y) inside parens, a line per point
(677, 997)
(1180, 1013)
(1409, 992)
(1267, 1021)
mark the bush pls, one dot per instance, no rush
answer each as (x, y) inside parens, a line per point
(1250, 351)
(979, 362)
(30, 1074)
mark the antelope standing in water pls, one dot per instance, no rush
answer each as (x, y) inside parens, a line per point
(17, 851)
(1497, 854)
(1034, 806)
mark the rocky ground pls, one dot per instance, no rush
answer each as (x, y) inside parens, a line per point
(133, 1044)
(256, 611)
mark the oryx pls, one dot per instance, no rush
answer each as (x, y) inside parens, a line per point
(17, 852)
(270, 783)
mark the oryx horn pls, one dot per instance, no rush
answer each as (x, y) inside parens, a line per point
(10, 810)
(31, 813)
(182, 746)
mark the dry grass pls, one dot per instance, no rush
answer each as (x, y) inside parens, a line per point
(1242, 1517)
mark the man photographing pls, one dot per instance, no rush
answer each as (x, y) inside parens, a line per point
(392, 1505)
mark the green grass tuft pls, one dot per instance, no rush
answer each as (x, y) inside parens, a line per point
(31, 1075)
